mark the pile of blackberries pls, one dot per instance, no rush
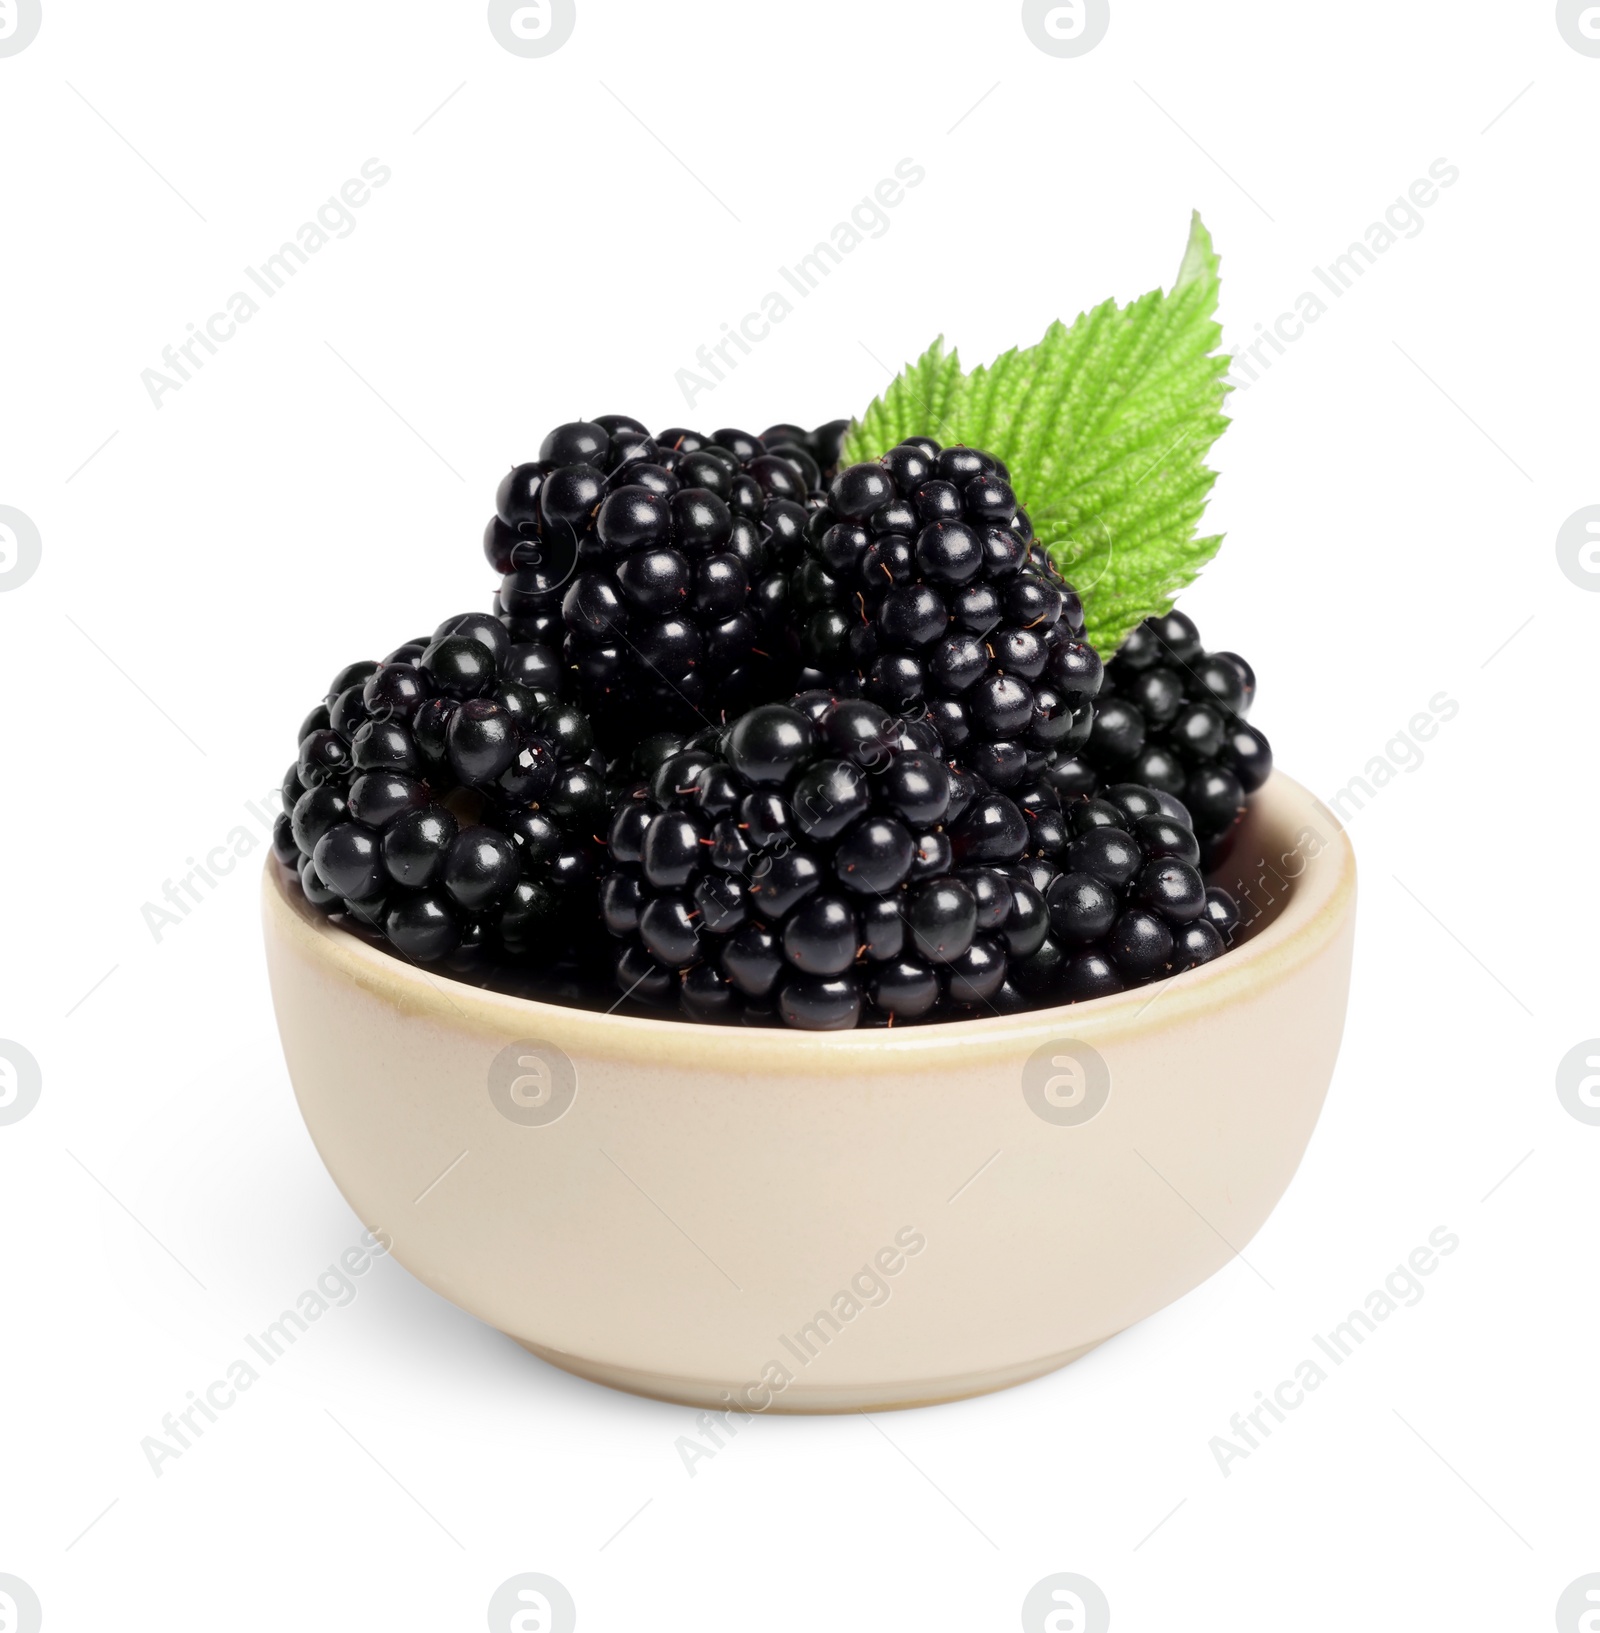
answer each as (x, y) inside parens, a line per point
(749, 738)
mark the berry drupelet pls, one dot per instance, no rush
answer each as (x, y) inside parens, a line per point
(448, 799)
(660, 563)
(1172, 715)
(822, 445)
(815, 864)
(924, 589)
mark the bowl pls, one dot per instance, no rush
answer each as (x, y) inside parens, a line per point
(769, 1220)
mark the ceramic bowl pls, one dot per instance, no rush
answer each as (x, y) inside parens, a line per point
(816, 1222)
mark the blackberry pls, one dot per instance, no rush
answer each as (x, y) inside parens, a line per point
(1172, 715)
(924, 589)
(813, 864)
(659, 564)
(448, 799)
(1124, 898)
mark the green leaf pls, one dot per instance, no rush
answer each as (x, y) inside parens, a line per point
(1105, 427)
(925, 394)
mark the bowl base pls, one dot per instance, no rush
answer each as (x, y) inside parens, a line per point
(717, 1395)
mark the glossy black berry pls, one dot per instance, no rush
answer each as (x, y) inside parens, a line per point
(923, 590)
(659, 564)
(778, 853)
(1172, 716)
(507, 868)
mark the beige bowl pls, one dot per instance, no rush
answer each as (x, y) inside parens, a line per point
(816, 1222)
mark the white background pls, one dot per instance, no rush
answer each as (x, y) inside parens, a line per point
(1391, 490)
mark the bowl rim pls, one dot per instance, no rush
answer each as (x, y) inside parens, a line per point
(1318, 901)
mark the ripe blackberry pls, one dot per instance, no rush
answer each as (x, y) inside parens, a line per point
(659, 563)
(1125, 900)
(814, 864)
(448, 798)
(1172, 715)
(924, 589)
